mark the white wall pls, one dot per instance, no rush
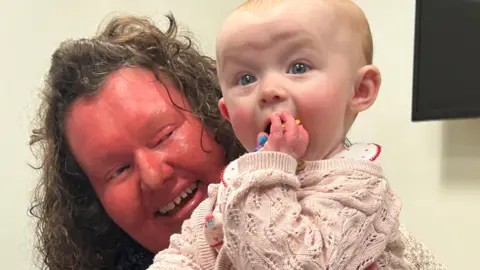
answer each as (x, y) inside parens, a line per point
(433, 166)
(30, 31)
(203, 18)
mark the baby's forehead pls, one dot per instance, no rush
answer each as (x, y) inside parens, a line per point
(282, 22)
(338, 23)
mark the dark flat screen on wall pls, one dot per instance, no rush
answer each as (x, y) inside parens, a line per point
(446, 79)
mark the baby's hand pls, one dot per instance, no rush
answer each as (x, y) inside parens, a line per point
(291, 139)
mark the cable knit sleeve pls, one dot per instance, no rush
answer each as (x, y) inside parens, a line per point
(188, 250)
(338, 214)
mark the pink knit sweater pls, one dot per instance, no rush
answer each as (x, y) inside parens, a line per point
(335, 214)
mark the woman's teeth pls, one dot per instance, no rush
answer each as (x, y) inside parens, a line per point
(178, 200)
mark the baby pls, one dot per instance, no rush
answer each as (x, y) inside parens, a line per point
(294, 75)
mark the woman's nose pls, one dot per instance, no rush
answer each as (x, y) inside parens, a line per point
(153, 169)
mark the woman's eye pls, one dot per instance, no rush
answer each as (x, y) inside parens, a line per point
(120, 171)
(246, 79)
(298, 68)
(165, 137)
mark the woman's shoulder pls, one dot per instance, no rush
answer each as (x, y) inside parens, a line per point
(133, 257)
(418, 254)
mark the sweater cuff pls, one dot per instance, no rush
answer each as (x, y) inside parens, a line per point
(267, 160)
(206, 253)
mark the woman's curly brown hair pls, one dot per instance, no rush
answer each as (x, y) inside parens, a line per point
(73, 230)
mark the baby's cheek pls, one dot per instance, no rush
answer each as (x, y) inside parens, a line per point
(239, 115)
(244, 126)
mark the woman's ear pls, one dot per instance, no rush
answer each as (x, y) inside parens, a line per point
(223, 109)
(367, 86)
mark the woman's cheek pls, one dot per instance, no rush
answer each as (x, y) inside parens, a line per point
(122, 203)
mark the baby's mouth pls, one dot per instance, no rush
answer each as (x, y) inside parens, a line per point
(269, 125)
(267, 128)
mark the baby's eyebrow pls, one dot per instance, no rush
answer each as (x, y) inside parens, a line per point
(232, 59)
(289, 45)
(287, 38)
(235, 50)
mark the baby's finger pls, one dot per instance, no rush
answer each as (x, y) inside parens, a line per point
(302, 132)
(276, 129)
(303, 140)
(291, 126)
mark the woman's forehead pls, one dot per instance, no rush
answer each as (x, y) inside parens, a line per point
(129, 105)
(124, 91)
(128, 95)
(128, 98)
(135, 83)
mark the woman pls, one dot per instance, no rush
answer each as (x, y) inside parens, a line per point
(87, 219)
(129, 137)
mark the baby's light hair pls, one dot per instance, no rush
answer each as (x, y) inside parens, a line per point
(358, 23)
(351, 12)
(259, 5)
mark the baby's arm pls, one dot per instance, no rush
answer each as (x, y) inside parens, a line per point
(184, 249)
(343, 221)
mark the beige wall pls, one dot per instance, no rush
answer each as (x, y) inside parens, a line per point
(435, 167)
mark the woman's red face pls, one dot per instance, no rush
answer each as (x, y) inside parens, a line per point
(146, 159)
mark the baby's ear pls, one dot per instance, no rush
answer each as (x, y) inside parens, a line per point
(223, 109)
(367, 86)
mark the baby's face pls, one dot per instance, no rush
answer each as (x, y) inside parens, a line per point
(296, 57)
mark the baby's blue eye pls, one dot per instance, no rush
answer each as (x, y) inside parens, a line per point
(298, 68)
(247, 79)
